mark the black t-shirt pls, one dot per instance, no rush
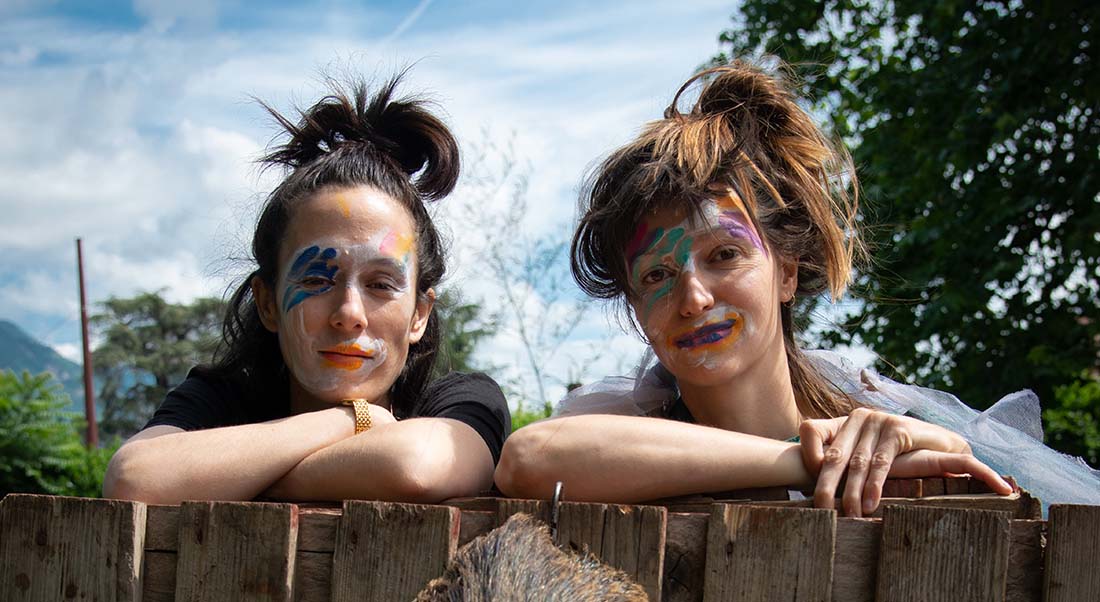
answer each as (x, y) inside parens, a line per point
(204, 400)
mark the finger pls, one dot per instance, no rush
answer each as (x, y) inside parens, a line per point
(857, 468)
(879, 469)
(922, 463)
(968, 464)
(835, 460)
(812, 436)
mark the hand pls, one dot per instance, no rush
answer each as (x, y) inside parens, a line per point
(870, 445)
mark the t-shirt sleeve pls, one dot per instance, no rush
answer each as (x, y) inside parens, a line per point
(199, 402)
(473, 399)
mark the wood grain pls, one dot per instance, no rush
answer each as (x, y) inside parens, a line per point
(769, 553)
(629, 538)
(855, 559)
(238, 551)
(949, 554)
(387, 551)
(685, 557)
(58, 548)
(1071, 562)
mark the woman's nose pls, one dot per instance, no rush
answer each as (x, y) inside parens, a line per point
(350, 314)
(695, 296)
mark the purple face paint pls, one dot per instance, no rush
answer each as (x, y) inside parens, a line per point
(738, 226)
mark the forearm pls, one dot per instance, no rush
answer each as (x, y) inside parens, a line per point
(423, 460)
(630, 459)
(230, 463)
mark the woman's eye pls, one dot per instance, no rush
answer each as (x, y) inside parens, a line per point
(656, 275)
(726, 254)
(314, 282)
(383, 285)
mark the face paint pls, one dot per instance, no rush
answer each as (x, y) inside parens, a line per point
(379, 269)
(658, 260)
(707, 337)
(312, 273)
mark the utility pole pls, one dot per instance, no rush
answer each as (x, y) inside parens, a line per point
(92, 436)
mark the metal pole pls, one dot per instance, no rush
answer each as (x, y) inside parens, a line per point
(89, 394)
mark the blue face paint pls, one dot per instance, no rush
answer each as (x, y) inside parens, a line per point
(311, 274)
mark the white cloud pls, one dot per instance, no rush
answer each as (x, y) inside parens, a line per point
(142, 141)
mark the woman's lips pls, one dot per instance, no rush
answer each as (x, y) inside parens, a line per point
(706, 335)
(348, 357)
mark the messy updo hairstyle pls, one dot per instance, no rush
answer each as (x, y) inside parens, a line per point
(348, 138)
(745, 132)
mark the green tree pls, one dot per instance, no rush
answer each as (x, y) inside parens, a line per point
(975, 127)
(463, 328)
(41, 443)
(148, 346)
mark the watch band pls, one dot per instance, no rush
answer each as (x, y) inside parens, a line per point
(362, 413)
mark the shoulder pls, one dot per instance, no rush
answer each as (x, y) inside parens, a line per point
(205, 399)
(458, 389)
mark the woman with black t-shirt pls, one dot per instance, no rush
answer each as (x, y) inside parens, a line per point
(320, 390)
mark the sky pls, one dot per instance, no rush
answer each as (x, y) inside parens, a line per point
(133, 126)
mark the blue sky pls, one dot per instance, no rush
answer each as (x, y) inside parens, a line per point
(131, 125)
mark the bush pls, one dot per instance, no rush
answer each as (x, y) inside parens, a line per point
(41, 444)
(1073, 426)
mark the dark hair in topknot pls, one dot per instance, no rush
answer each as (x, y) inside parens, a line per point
(348, 138)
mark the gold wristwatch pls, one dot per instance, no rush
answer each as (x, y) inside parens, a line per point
(362, 413)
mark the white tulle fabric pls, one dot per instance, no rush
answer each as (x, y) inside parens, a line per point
(1008, 436)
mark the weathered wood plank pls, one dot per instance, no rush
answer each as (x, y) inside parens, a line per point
(932, 487)
(162, 528)
(313, 577)
(239, 551)
(855, 559)
(934, 553)
(1071, 566)
(56, 548)
(956, 485)
(685, 557)
(769, 553)
(539, 509)
(317, 529)
(903, 488)
(160, 576)
(474, 524)
(1025, 561)
(387, 551)
(629, 538)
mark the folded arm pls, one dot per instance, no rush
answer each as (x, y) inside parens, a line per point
(631, 458)
(166, 465)
(423, 460)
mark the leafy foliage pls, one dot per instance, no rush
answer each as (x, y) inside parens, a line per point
(148, 346)
(975, 126)
(41, 443)
(522, 416)
(463, 328)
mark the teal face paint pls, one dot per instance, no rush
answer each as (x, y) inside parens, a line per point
(670, 250)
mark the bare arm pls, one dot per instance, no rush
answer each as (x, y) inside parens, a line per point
(631, 458)
(166, 465)
(422, 460)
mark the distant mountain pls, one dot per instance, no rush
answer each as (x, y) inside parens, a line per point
(19, 351)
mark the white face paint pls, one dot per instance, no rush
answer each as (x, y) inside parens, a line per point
(340, 307)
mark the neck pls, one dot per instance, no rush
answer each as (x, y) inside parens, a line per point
(759, 402)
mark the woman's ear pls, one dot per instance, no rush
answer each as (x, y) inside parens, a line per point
(788, 279)
(265, 304)
(423, 309)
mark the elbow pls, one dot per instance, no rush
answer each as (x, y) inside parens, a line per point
(120, 481)
(524, 462)
(125, 480)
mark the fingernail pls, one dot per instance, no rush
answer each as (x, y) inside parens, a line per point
(869, 505)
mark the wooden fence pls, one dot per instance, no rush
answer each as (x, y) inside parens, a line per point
(939, 542)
